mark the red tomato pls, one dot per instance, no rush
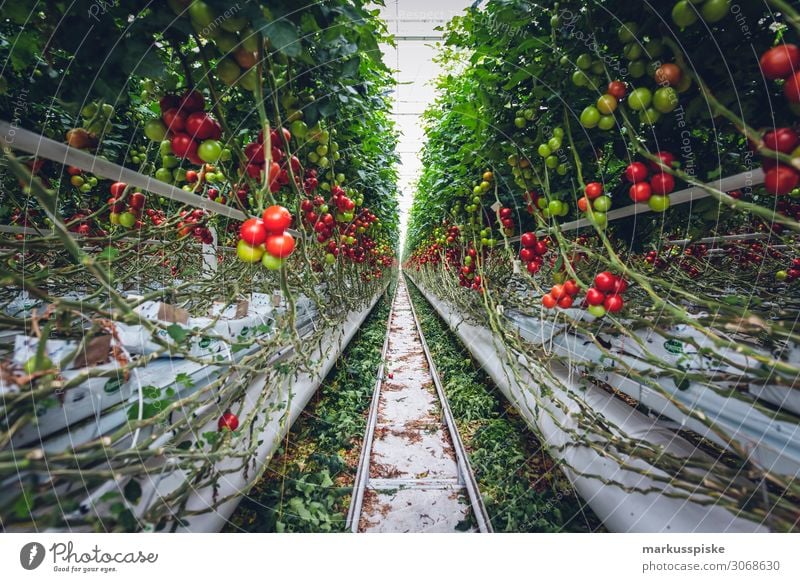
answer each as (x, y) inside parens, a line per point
(200, 125)
(253, 232)
(540, 247)
(613, 303)
(255, 153)
(636, 172)
(557, 292)
(192, 101)
(583, 204)
(565, 302)
(169, 102)
(526, 255)
(549, 301)
(593, 190)
(533, 267)
(595, 296)
(662, 184)
(117, 188)
(191, 177)
(620, 285)
(73, 171)
(782, 140)
(571, 288)
(781, 61)
(174, 119)
(280, 245)
(183, 145)
(666, 158)
(228, 421)
(617, 89)
(604, 281)
(791, 89)
(640, 192)
(276, 219)
(136, 200)
(781, 179)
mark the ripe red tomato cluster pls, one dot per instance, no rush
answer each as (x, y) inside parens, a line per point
(192, 132)
(191, 224)
(128, 212)
(265, 239)
(228, 421)
(278, 169)
(532, 252)
(561, 295)
(79, 223)
(453, 234)
(506, 220)
(466, 276)
(605, 296)
(653, 189)
(783, 62)
(593, 194)
(780, 178)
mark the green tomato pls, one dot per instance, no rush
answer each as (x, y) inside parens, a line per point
(606, 122)
(106, 110)
(86, 188)
(551, 162)
(228, 71)
(249, 80)
(597, 310)
(590, 117)
(584, 61)
(715, 10)
(209, 151)
(155, 130)
(324, 162)
(127, 219)
(34, 364)
(165, 148)
(271, 263)
(562, 169)
(179, 174)
(654, 48)
(544, 150)
(201, 14)
(89, 110)
(637, 69)
(665, 99)
(554, 143)
(649, 116)
(330, 258)
(299, 128)
(558, 132)
(781, 275)
(632, 51)
(541, 203)
(164, 175)
(554, 206)
(602, 204)
(579, 79)
(684, 14)
(627, 32)
(528, 114)
(170, 161)
(226, 155)
(249, 254)
(599, 219)
(658, 203)
(640, 99)
(519, 122)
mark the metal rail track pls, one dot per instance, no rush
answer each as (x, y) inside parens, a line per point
(414, 475)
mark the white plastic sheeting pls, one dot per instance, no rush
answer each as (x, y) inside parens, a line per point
(619, 510)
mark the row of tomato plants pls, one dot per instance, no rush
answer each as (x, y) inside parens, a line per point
(276, 111)
(547, 115)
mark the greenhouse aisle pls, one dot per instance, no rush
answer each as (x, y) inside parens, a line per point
(414, 482)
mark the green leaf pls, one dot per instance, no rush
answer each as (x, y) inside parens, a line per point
(283, 37)
(177, 332)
